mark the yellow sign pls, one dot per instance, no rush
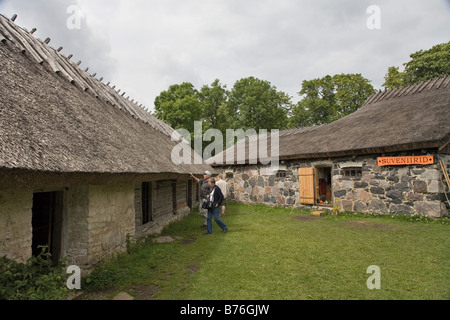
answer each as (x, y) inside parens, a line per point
(405, 161)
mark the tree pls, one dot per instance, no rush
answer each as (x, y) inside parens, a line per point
(214, 100)
(330, 98)
(256, 104)
(424, 65)
(179, 106)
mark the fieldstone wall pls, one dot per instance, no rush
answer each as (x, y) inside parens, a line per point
(249, 186)
(15, 224)
(389, 190)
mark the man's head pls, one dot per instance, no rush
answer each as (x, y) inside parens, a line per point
(212, 182)
(206, 175)
(219, 177)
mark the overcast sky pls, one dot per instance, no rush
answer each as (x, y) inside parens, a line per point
(144, 46)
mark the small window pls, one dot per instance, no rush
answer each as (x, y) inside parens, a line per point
(229, 175)
(353, 173)
(281, 174)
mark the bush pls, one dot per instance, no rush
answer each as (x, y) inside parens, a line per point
(37, 279)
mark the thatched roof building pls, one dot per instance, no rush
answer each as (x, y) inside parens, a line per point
(390, 156)
(57, 118)
(409, 118)
(82, 167)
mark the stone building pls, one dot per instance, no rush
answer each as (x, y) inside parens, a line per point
(82, 168)
(384, 158)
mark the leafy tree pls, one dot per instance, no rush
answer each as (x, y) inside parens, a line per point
(394, 78)
(424, 65)
(330, 98)
(179, 106)
(256, 104)
(214, 100)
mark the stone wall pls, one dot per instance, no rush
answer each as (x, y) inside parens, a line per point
(110, 220)
(249, 186)
(390, 190)
(76, 235)
(15, 224)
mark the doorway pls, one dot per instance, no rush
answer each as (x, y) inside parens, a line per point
(323, 186)
(47, 220)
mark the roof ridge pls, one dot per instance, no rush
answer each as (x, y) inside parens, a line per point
(41, 52)
(434, 83)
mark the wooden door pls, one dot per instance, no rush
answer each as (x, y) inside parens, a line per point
(306, 186)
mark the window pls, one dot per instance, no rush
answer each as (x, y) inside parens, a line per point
(147, 208)
(281, 174)
(229, 175)
(353, 172)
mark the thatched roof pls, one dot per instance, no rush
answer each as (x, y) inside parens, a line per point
(56, 117)
(409, 118)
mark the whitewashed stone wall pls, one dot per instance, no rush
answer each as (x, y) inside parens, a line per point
(110, 219)
(15, 224)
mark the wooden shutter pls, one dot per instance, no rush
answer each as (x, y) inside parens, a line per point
(306, 185)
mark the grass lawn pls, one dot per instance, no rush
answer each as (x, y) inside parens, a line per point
(283, 254)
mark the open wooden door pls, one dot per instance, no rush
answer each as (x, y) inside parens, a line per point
(306, 186)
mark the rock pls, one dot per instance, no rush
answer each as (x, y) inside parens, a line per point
(396, 196)
(261, 181)
(377, 190)
(340, 193)
(245, 177)
(401, 209)
(420, 187)
(271, 181)
(377, 206)
(359, 206)
(404, 186)
(433, 186)
(347, 184)
(395, 179)
(365, 196)
(347, 205)
(414, 196)
(407, 179)
(432, 209)
(290, 201)
(361, 185)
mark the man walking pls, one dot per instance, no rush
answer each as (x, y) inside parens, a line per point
(216, 198)
(222, 184)
(204, 193)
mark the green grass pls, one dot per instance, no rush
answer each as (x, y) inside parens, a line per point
(269, 255)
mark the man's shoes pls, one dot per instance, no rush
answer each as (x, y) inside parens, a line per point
(207, 234)
(225, 231)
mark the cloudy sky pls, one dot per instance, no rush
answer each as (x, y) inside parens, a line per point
(144, 46)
